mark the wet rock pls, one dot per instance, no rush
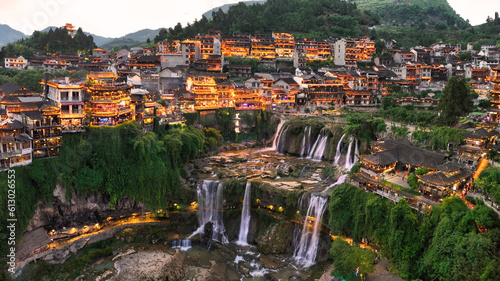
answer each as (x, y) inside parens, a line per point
(175, 269)
(272, 263)
(276, 239)
(222, 272)
(244, 270)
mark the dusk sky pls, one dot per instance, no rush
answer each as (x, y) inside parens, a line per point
(117, 18)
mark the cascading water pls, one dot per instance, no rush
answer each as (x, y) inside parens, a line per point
(339, 181)
(320, 150)
(282, 140)
(356, 152)
(348, 162)
(245, 216)
(278, 134)
(209, 194)
(311, 152)
(306, 140)
(338, 153)
(182, 244)
(309, 239)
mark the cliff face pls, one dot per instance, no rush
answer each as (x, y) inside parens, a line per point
(79, 209)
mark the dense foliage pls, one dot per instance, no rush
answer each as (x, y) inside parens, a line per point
(408, 114)
(342, 19)
(443, 244)
(456, 101)
(55, 40)
(489, 181)
(31, 78)
(364, 127)
(438, 137)
(120, 161)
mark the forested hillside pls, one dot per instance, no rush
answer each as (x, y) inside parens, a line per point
(411, 23)
(54, 40)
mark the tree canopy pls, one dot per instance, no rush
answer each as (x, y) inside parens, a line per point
(456, 101)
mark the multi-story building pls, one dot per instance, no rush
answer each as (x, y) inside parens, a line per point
(210, 44)
(18, 63)
(225, 91)
(238, 45)
(349, 51)
(284, 44)
(44, 128)
(263, 46)
(205, 91)
(168, 48)
(326, 94)
(68, 94)
(110, 99)
(495, 95)
(144, 104)
(54, 64)
(191, 50)
(15, 145)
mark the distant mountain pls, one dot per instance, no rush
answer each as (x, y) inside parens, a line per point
(142, 35)
(225, 7)
(8, 34)
(99, 40)
(122, 41)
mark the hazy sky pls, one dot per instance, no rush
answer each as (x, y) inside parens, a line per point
(116, 18)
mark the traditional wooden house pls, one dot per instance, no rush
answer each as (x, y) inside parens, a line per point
(44, 128)
(15, 145)
(110, 100)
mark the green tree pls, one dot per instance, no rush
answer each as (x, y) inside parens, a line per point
(456, 101)
(347, 260)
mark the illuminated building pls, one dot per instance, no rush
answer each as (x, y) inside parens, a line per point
(68, 94)
(495, 95)
(110, 101)
(15, 146)
(44, 128)
(18, 63)
(225, 93)
(211, 64)
(191, 50)
(144, 104)
(54, 64)
(205, 91)
(349, 51)
(263, 46)
(210, 44)
(71, 29)
(168, 48)
(284, 44)
(245, 98)
(237, 46)
(326, 93)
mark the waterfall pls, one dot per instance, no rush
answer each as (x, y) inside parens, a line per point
(339, 181)
(348, 162)
(282, 140)
(304, 150)
(338, 153)
(245, 216)
(311, 152)
(278, 133)
(356, 152)
(209, 194)
(309, 239)
(182, 244)
(320, 150)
